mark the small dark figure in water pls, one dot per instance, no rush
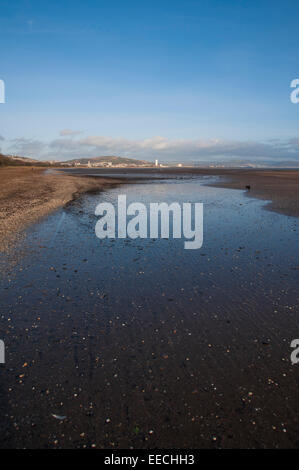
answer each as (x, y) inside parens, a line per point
(248, 187)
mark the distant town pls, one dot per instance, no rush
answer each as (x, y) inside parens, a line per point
(97, 162)
(124, 162)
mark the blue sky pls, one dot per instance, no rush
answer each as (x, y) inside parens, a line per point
(200, 80)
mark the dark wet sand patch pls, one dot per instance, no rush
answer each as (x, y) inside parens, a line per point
(145, 347)
(28, 194)
(279, 187)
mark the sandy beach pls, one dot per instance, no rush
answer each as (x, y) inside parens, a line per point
(149, 219)
(122, 343)
(38, 192)
(279, 187)
(28, 194)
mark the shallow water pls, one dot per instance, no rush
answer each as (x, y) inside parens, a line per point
(141, 343)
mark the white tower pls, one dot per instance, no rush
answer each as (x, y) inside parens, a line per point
(156, 163)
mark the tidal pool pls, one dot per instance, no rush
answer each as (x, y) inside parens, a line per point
(143, 344)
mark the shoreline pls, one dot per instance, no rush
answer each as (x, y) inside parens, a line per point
(279, 187)
(29, 194)
(190, 349)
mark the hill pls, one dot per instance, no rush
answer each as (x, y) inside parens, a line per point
(9, 160)
(111, 159)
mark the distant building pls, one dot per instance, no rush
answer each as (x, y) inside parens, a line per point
(89, 164)
(156, 162)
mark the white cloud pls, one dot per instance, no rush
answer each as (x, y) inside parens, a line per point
(157, 147)
(28, 147)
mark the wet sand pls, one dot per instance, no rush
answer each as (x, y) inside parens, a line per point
(28, 194)
(279, 187)
(141, 344)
